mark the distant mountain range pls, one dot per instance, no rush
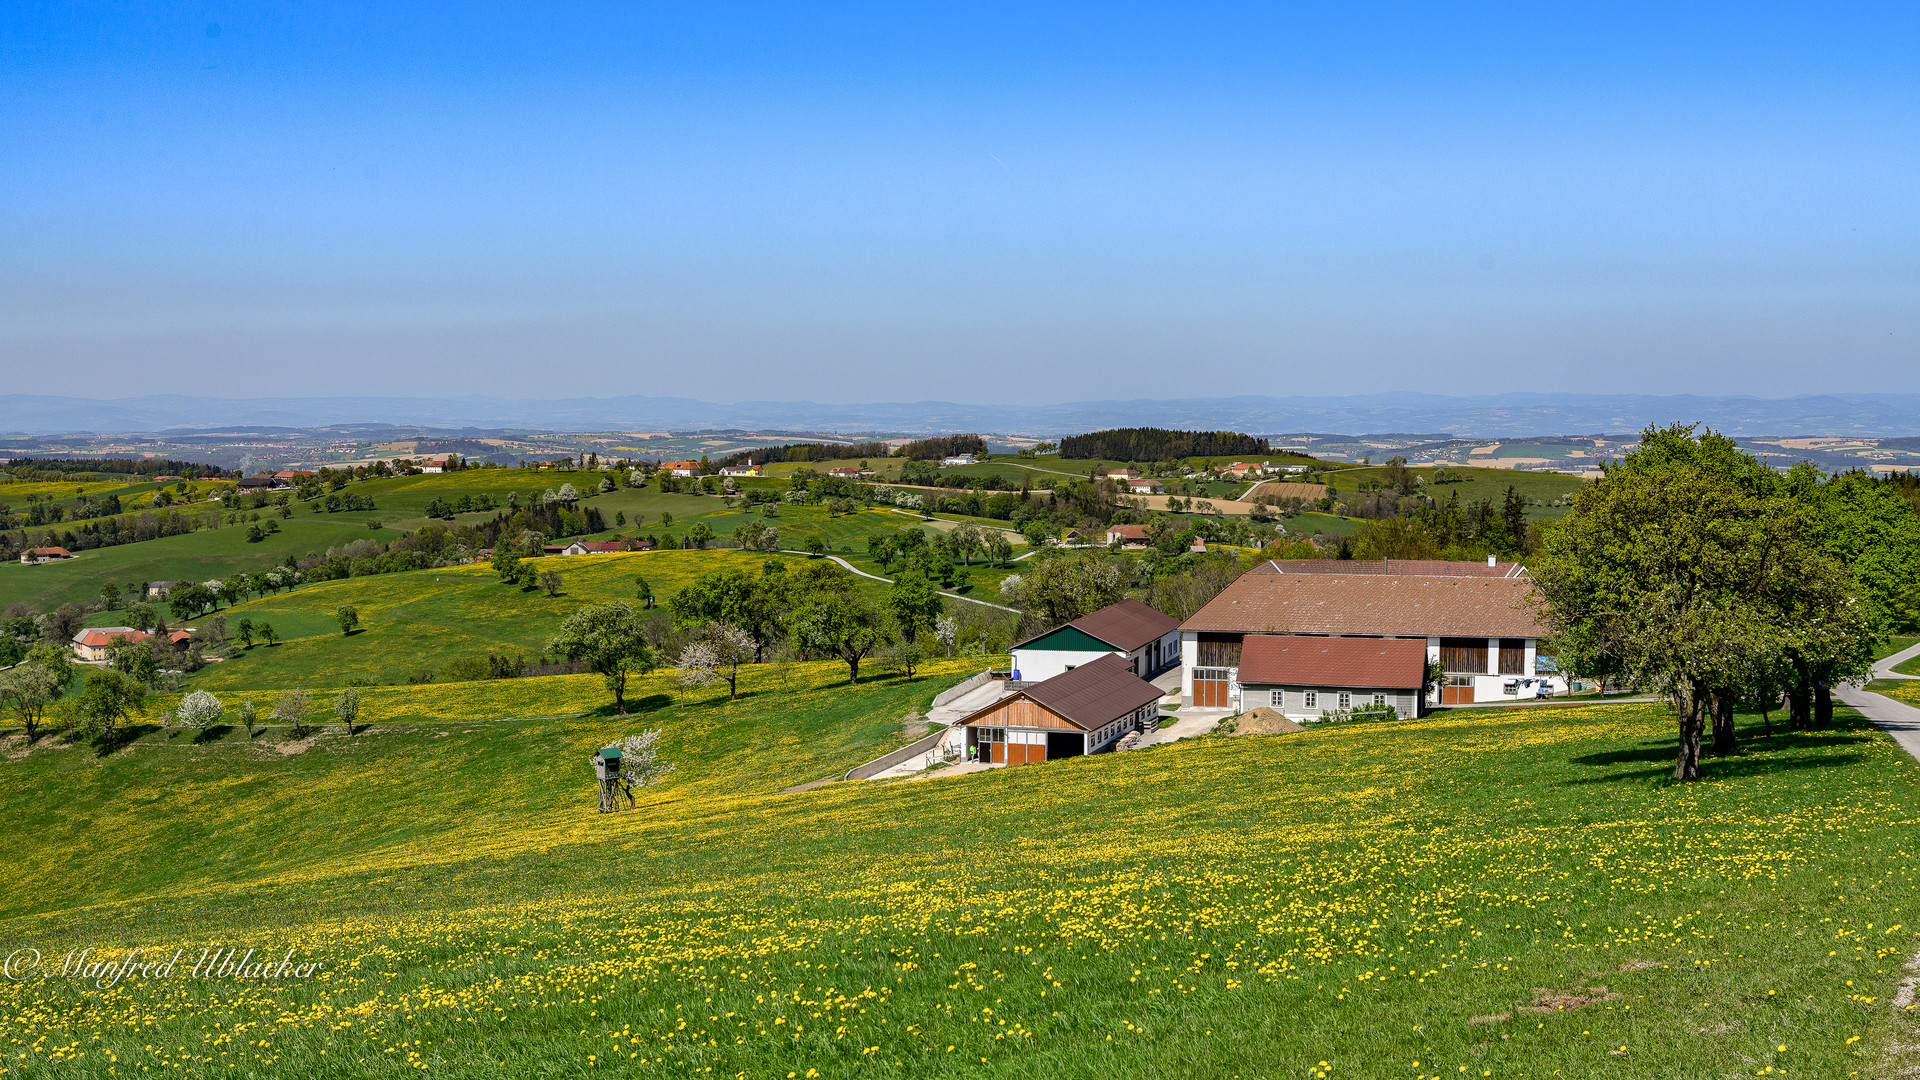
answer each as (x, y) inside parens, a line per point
(1494, 415)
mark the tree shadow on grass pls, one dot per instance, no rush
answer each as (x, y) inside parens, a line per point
(122, 736)
(214, 733)
(1726, 768)
(1666, 752)
(1756, 755)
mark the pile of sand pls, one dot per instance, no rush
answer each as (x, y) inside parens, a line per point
(1264, 721)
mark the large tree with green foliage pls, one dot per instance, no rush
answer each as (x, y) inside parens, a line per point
(612, 640)
(831, 616)
(108, 702)
(754, 603)
(25, 692)
(914, 603)
(1685, 569)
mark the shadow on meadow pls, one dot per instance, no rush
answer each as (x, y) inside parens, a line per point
(1757, 754)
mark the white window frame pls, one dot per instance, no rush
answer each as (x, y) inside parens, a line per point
(1346, 699)
(1311, 699)
(1379, 698)
(1277, 699)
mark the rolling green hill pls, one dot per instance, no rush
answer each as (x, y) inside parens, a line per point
(1508, 893)
(418, 621)
(198, 556)
(1477, 484)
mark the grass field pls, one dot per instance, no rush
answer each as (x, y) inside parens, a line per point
(133, 495)
(1479, 484)
(420, 620)
(1515, 894)
(199, 556)
(1894, 644)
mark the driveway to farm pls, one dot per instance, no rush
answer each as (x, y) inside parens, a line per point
(876, 577)
(1899, 720)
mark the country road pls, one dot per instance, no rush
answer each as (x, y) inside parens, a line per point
(876, 577)
(1900, 720)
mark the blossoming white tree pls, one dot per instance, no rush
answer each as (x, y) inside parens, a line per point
(199, 710)
(716, 656)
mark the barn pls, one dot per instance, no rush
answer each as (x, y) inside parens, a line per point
(1081, 711)
(1147, 639)
(1477, 621)
(1303, 677)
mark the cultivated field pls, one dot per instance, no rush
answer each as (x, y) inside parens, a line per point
(1500, 893)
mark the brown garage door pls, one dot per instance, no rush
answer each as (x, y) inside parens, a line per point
(1210, 688)
(1022, 748)
(1458, 690)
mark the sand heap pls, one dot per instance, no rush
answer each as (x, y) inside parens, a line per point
(1264, 721)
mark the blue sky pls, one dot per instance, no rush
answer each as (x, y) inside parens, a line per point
(893, 202)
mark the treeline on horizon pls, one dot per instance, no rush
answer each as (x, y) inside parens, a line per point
(942, 446)
(40, 469)
(1159, 444)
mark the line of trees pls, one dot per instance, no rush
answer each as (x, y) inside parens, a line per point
(942, 446)
(42, 469)
(1159, 444)
(1694, 570)
(768, 455)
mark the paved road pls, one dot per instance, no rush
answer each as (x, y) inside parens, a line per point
(1897, 719)
(876, 577)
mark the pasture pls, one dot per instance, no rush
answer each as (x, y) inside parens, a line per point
(197, 556)
(1503, 894)
(418, 621)
(1478, 483)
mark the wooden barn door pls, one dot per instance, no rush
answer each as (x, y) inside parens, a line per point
(1210, 688)
(1458, 690)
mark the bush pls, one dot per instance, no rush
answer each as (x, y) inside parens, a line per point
(466, 669)
(1358, 713)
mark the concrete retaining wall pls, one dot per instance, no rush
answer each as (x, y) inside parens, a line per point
(882, 764)
(962, 689)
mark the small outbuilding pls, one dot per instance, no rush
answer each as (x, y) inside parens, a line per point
(1302, 677)
(1083, 711)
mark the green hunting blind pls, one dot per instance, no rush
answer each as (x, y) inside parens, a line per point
(606, 769)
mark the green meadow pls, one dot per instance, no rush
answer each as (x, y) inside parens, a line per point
(1477, 484)
(1507, 893)
(419, 621)
(197, 556)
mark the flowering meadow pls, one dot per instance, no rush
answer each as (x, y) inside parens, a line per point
(1505, 893)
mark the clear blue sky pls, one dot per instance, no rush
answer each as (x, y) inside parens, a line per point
(890, 202)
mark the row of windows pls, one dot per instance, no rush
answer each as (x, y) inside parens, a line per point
(1002, 735)
(1310, 699)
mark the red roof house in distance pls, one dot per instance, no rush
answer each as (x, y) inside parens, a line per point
(681, 468)
(845, 472)
(1302, 677)
(1127, 536)
(92, 644)
(36, 556)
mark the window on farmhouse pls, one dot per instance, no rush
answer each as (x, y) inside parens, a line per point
(1278, 699)
(1346, 700)
(1310, 699)
(1379, 699)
